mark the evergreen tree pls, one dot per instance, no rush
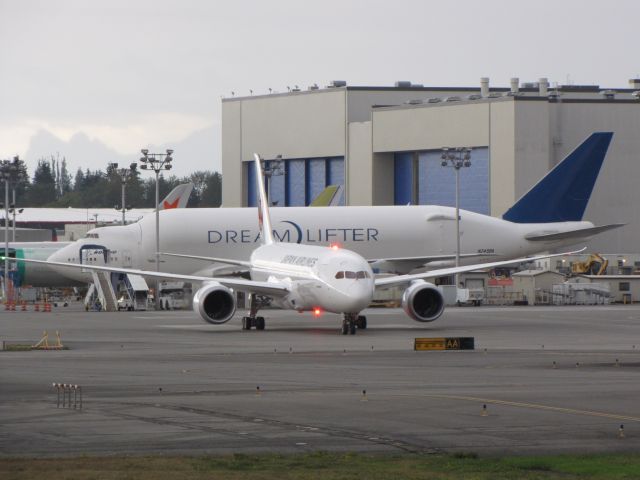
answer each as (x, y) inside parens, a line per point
(43, 189)
(65, 178)
(212, 194)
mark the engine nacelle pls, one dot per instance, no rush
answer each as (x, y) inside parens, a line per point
(422, 301)
(215, 303)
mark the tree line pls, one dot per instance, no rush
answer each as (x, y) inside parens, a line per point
(53, 186)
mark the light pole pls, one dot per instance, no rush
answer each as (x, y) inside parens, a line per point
(124, 174)
(8, 172)
(274, 170)
(15, 212)
(457, 158)
(157, 162)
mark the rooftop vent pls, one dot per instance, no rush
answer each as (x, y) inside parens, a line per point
(434, 100)
(495, 95)
(474, 96)
(337, 84)
(484, 86)
(313, 87)
(416, 101)
(402, 84)
(452, 99)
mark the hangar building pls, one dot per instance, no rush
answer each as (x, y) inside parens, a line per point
(383, 144)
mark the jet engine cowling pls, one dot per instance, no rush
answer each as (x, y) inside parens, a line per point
(423, 301)
(215, 303)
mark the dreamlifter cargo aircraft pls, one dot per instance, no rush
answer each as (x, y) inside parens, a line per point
(395, 239)
(303, 277)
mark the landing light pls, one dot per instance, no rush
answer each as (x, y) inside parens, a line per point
(317, 312)
(335, 246)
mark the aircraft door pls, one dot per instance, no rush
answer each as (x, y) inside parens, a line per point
(93, 255)
(127, 258)
(447, 233)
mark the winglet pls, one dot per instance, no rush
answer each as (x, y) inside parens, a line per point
(177, 198)
(264, 219)
(562, 195)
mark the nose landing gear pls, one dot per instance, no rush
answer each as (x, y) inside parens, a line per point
(351, 321)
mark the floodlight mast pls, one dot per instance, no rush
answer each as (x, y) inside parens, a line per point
(457, 158)
(125, 175)
(157, 162)
(9, 172)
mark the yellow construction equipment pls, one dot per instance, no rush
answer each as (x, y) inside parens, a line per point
(596, 264)
(43, 344)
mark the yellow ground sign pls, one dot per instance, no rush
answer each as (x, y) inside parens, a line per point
(444, 343)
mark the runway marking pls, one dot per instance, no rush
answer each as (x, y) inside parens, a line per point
(535, 406)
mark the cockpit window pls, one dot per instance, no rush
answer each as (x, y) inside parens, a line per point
(353, 275)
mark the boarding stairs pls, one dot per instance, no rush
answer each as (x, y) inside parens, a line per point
(137, 290)
(107, 296)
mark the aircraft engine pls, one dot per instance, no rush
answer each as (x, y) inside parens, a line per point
(422, 301)
(215, 303)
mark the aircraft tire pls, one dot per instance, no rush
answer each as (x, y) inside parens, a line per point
(345, 328)
(260, 323)
(362, 322)
(352, 328)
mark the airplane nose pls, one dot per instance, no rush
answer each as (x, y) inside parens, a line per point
(65, 255)
(358, 297)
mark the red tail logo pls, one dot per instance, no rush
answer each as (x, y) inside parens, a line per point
(168, 206)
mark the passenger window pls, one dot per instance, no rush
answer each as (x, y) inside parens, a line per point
(340, 275)
(350, 274)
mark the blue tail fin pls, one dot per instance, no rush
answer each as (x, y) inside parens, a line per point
(562, 195)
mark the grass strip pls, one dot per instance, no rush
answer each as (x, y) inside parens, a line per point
(326, 466)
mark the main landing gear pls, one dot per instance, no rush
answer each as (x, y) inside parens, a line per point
(255, 303)
(352, 321)
(249, 322)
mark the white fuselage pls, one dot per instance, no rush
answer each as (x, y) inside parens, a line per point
(372, 232)
(38, 274)
(331, 279)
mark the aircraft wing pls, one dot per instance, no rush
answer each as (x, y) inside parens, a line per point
(431, 258)
(402, 279)
(406, 264)
(272, 289)
(579, 234)
(227, 261)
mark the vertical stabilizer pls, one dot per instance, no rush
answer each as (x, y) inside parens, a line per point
(177, 198)
(562, 195)
(264, 219)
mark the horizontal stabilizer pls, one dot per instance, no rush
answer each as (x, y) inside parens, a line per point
(562, 195)
(580, 234)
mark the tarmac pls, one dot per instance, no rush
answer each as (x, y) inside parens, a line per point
(553, 380)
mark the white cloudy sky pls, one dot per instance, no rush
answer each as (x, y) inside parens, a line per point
(95, 81)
